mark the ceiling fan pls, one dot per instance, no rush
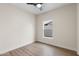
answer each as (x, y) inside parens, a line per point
(38, 5)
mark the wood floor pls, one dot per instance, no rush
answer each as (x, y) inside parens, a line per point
(40, 49)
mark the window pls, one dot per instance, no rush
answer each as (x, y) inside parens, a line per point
(47, 29)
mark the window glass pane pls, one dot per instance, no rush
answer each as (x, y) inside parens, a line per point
(48, 29)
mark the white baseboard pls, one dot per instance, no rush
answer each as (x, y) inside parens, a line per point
(2, 52)
(58, 45)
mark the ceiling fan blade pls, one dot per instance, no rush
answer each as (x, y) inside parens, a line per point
(33, 3)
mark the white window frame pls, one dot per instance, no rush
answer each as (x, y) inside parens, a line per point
(43, 29)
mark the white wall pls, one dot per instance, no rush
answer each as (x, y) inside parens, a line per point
(78, 28)
(17, 28)
(64, 27)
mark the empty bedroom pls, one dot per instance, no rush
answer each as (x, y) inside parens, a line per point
(39, 29)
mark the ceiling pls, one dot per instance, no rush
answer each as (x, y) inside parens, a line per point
(47, 7)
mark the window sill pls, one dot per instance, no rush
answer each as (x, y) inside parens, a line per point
(48, 37)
